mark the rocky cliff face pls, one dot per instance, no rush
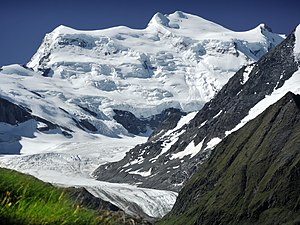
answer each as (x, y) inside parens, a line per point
(170, 157)
(13, 114)
(18, 121)
(138, 126)
(252, 176)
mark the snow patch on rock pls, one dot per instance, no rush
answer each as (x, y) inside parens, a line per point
(297, 43)
(292, 85)
(191, 150)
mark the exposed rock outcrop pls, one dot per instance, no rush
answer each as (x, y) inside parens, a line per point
(252, 177)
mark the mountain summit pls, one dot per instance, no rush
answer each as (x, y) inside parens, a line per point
(84, 81)
(179, 60)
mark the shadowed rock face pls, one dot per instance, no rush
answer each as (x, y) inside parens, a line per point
(221, 114)
(138, 126)
(252, 176)
(16, 122)
(13, 114)
(82, 197)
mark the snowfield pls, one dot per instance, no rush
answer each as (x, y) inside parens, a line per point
(178, 60)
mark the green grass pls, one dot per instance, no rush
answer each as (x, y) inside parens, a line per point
(27, 200)
(252, 176)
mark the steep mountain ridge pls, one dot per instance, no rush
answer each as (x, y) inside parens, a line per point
(252, 176)
(169, 158)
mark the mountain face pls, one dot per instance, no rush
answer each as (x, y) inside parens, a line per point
(85, 80)
(17, 122)
(252, 176)
(178, 61)
(87, 97)
(170, 157)
(137, 126)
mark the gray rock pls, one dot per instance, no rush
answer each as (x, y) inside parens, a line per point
(138, 126)
(13, 114)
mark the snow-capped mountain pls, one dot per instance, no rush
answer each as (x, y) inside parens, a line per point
(69, 100)
(171, 156)
(178, 61)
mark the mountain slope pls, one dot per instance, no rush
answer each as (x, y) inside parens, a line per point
(27, 200)
(252, 177)
(170, 157)
(81, 87)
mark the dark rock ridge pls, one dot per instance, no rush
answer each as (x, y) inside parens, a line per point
(84, 198)
(85, 125)
(138, 126)
(252, 176)
(18, 118)
(88, 110)
(13, 114)
(221, 114)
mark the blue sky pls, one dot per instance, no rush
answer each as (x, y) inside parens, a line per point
(23, 24)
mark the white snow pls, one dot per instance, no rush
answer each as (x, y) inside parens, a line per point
(142, 173)
(202, 124)
(183, 121)
(72, 164)
(170, 142)
(76, 159)
(297, 43)
(212, 143)
(17, 69)
(246, 73)
(218, 114)
(173, 134)
(191, 150)
(138, 160)
(292, 84)
(179, 60)
(155, 203)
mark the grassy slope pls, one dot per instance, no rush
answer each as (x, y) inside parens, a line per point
(253, 176)
(27, 200)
